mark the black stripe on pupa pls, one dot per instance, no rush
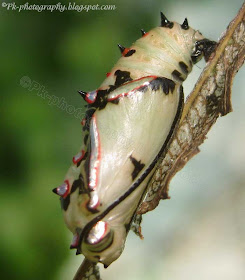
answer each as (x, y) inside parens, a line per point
(177, 75)
(138, 166)
(129, 53)
(135, 185)
(167, 85)
(79, 183)
(122, 77)
(183, 67)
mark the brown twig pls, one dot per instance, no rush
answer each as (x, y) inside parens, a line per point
(87, 271)
(210, 98)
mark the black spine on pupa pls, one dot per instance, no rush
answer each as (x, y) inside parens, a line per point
(185, 24)
(165, 22)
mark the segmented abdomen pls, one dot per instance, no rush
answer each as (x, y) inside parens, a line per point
(158, 52)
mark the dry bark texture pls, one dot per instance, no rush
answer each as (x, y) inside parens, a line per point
(210, 99)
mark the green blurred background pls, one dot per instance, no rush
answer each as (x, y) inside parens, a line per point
(45, 58)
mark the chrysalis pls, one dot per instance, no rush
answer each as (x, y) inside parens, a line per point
(129, 123)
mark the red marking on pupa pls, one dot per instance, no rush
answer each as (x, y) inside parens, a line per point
(100, 229)
(91, 96)
(95, 155)
(108, 74)
(83, 121)
(94, 202)
(75, 241)
(125, 51)
(135, 89)
(63, 189)
(78, 157)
